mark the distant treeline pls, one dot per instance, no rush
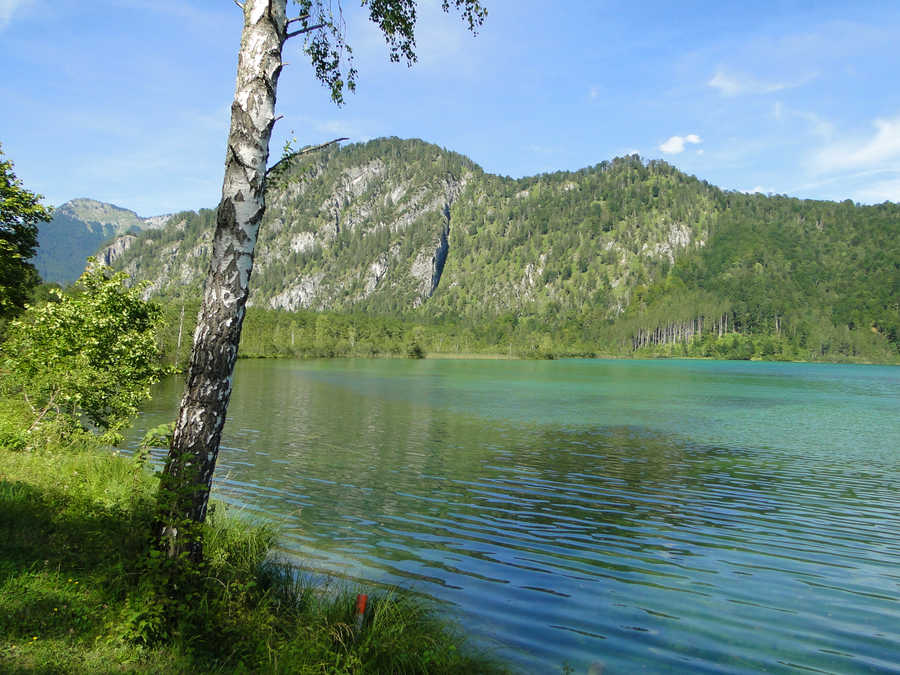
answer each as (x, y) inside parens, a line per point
(713, 333)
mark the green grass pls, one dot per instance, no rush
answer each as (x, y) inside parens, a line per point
(80, 591)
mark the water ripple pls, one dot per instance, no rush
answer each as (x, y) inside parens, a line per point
(691, 517)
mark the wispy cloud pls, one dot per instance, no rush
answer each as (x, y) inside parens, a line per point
(862, 165)
(738, 84)
(815, 124)
(676, 144)
(8, 8)
(881, 191)
(880, 150)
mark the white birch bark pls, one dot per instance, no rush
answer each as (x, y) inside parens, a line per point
(187, 477)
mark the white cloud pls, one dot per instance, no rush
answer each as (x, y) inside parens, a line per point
(878, 151)
(594, 92)
(8, 8)
(861, 165)
(817, 125)
(675, 144)
(730, 84)
(886, 190)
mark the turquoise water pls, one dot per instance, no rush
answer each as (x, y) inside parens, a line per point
(688, 516)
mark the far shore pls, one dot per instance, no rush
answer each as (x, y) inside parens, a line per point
(499, 356)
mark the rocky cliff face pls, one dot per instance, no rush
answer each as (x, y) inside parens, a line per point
(381, 225)
(108, 255)
(394, 226)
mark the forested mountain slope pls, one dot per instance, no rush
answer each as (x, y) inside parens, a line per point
(78, 228)
(780, 265)
(623, 255)
(389, 225)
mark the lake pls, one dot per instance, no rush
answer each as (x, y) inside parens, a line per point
(687, 516)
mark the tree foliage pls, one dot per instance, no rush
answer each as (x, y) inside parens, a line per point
(332, 57)
(20, 212)
(88, 357)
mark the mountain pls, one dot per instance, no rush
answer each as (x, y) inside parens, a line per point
(391, 226)
(77, 230)
(627, 254)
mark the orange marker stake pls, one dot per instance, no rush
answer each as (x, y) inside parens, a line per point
(361, 600)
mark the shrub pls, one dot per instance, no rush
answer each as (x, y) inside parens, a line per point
(88, 358)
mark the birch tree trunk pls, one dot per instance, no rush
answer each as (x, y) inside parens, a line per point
(187, 477)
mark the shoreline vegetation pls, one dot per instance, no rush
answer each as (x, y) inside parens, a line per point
(308, 334)
(81, 590)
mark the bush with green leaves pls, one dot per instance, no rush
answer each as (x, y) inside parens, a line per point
(20, 212)
(86, 359)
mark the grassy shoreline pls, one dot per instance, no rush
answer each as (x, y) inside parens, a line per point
(80, 590)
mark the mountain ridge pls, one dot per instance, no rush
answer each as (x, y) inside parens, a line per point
(627, 251)
(79, 226)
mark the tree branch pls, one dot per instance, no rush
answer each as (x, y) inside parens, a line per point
(28, 401)
(302, 17)
(43, 412)
(305, 151)
(239, 4)
(304, 30)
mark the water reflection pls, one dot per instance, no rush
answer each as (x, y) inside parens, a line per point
(665, 540)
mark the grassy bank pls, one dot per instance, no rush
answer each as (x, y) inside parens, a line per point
(81, 592)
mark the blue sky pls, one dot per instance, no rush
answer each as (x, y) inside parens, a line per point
(127, 101)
